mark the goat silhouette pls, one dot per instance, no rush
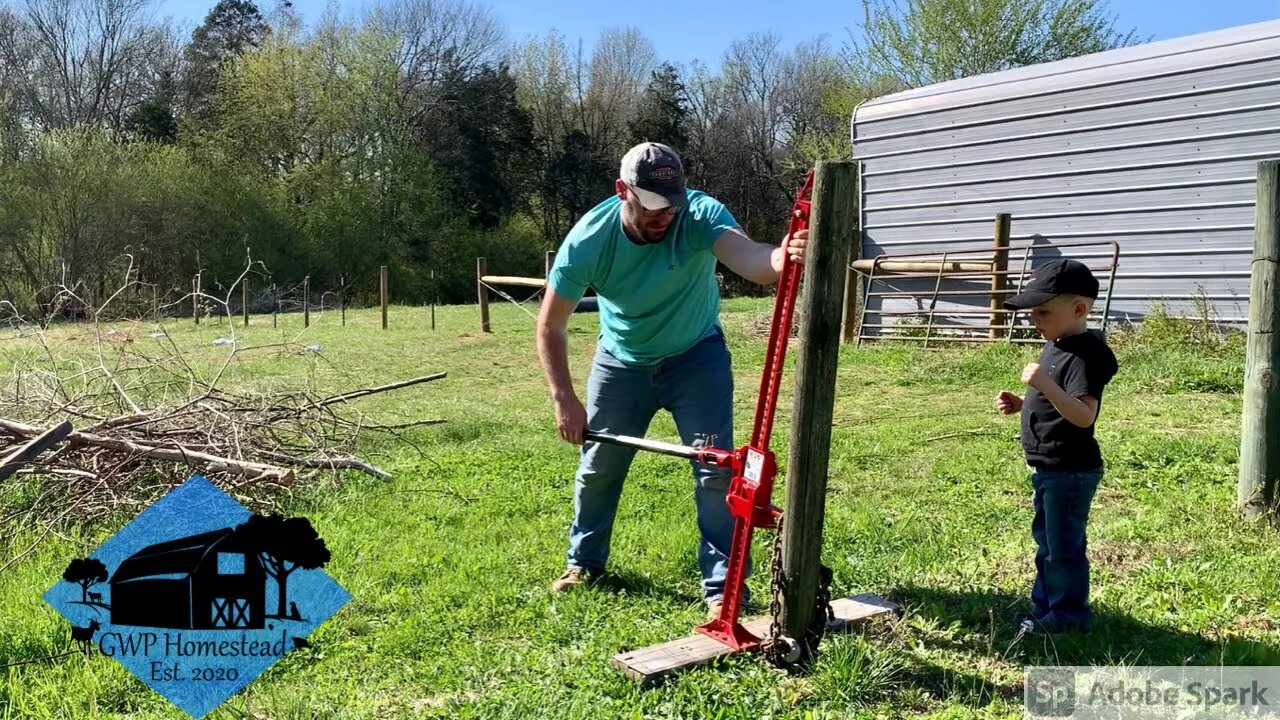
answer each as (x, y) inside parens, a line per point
(84, 635)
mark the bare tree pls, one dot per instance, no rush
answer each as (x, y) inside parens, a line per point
(608, 87)
(435, 36)
(86, 61)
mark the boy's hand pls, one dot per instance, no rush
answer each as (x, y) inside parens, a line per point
(1007, 403)
(1034, 376)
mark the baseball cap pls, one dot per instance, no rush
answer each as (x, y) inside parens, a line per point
(1061, 276)
(655, 173)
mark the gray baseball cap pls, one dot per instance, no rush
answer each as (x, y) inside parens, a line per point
(655, 173)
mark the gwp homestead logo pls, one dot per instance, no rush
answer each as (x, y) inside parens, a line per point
(197, 596)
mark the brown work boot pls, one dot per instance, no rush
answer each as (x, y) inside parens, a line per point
(572, 578)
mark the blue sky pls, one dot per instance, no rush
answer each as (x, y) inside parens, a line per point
(682, 31)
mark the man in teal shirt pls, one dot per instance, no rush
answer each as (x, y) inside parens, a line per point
(650, 254)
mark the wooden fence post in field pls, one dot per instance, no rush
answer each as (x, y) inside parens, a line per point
(1260, 431)
(382, 292)
(306, 301)
(482, 292)
(244, 299)
(195, 297)
(342, 298)
(999, 281)
(833, 229)
(433, 299)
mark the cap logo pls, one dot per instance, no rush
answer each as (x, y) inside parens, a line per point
(664, 173)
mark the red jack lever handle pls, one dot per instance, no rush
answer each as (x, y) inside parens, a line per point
(751, 490)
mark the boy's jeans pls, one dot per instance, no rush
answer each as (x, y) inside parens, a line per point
(697, 388)
(1060, 595)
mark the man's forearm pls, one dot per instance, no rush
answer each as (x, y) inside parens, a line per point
(553, 352)
(764, 265)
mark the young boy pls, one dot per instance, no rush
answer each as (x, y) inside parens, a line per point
(1064, 394)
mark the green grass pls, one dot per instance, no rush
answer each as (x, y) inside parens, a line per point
(928, 505)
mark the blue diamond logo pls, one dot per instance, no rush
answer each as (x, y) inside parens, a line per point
(197, 596)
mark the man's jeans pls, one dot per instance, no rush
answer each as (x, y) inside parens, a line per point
(1060, 595)
(697, 388)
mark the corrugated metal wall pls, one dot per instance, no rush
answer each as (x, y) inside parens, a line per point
(1154, 146)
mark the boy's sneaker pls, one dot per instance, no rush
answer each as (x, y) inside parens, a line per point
(573, 577)
(1037, 626)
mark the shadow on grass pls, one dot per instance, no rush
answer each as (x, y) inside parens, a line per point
(956, 648)
(988, 624)
(636, 585)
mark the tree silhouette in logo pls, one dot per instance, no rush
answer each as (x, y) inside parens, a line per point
(284, 545)
(86, 572)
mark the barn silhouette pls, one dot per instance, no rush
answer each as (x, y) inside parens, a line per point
(209, 581)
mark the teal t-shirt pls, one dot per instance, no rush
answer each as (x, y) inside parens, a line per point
(655, 300)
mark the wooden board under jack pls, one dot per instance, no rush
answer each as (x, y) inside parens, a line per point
(651, 663)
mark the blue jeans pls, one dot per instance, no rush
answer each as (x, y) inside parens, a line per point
(1060, 595)
(696, 386)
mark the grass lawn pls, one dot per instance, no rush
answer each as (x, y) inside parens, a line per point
(929, 505)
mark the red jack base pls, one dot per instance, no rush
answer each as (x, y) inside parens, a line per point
(731, 634)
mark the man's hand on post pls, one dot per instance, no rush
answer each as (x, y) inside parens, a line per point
(795, 248)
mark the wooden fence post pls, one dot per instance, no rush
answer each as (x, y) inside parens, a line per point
(244, 300)
(833, 228)
(483, 294)
(382, 291)
(1260, 431)
(195, 297)
(342, 298)
(999, 281)
(275, 305)
(306, 301)
(433, 299)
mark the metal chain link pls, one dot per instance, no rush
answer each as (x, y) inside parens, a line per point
(773, 646)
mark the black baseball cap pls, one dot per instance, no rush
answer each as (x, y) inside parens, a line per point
(655, 173)
(1061, 276)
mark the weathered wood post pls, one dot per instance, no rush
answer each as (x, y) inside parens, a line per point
(195, 297)
(999, 280)
(342, 298)
(382, 293)
(244, 300)
(1260, 432)
(482, 294)
(433, 299)
(833, 229)
(306, 301)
